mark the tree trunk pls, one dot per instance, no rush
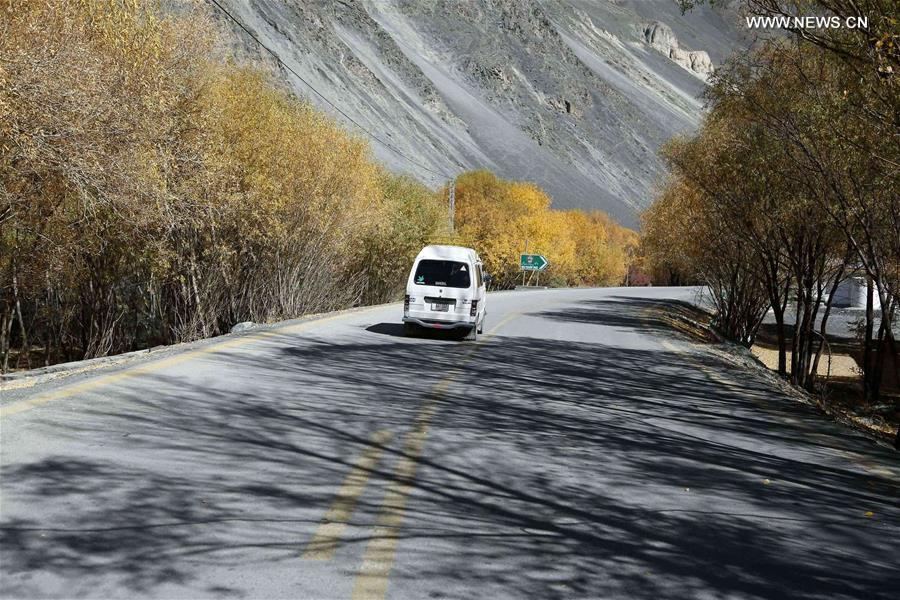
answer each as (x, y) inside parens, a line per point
(885, 340)
(5, 332)
(800, 341)
(26, 350)
(778, 298)
(782, 340)
(878, 363)
(838, 278)
(197, 302)
(867, 340)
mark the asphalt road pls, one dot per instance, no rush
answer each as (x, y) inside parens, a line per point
(578, 450)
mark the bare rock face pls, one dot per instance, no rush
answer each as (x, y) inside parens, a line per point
(243, 326)
(660, 37)
(575, 96)
(696, 60)
(701, 63)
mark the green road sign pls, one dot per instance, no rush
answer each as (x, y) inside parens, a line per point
(533, 262)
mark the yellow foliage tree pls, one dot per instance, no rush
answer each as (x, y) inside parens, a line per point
(497, 217)
(153, 190)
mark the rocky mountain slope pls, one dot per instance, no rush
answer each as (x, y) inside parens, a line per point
(576, 96)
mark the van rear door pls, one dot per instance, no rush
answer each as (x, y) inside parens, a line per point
(445, 287)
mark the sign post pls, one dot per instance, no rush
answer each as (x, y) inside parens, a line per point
(523, 270)
(533, 262)
(452, 205)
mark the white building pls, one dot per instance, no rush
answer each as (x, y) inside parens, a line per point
(851, 293)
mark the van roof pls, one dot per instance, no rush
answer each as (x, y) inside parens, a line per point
(437, 252)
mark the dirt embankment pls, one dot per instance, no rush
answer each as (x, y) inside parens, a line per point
(839, 390)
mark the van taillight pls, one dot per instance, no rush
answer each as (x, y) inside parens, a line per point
(474, 309)
(406, 302)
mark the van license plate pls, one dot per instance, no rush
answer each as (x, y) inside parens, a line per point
(441, 307)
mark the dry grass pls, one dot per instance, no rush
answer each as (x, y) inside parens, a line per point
(153, 190)
(689, 320)
(840, 392)
(841, 365)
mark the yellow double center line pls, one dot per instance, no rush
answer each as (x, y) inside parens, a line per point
(325, 541)
(378, 561)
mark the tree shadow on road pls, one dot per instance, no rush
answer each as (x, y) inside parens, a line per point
(552, 469)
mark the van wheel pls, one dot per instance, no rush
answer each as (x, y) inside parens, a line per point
(481, 325)
(472, 334)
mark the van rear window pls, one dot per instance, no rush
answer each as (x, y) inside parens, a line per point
(446, 273)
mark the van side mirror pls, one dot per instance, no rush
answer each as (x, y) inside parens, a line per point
(488, 278)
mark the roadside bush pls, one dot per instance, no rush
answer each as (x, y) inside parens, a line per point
(788, 188)
(497, 217)
(154, 190)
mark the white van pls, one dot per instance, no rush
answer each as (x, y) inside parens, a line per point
(446, 290)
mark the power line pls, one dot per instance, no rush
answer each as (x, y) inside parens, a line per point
(323, 97)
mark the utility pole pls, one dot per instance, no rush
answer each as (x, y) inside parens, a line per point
(452, 203)
(523, 270)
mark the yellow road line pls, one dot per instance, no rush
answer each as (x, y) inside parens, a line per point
(104, 380)
(708, 371)
(18, 385)
(378, 560)
(712, 374)
(324, 542)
